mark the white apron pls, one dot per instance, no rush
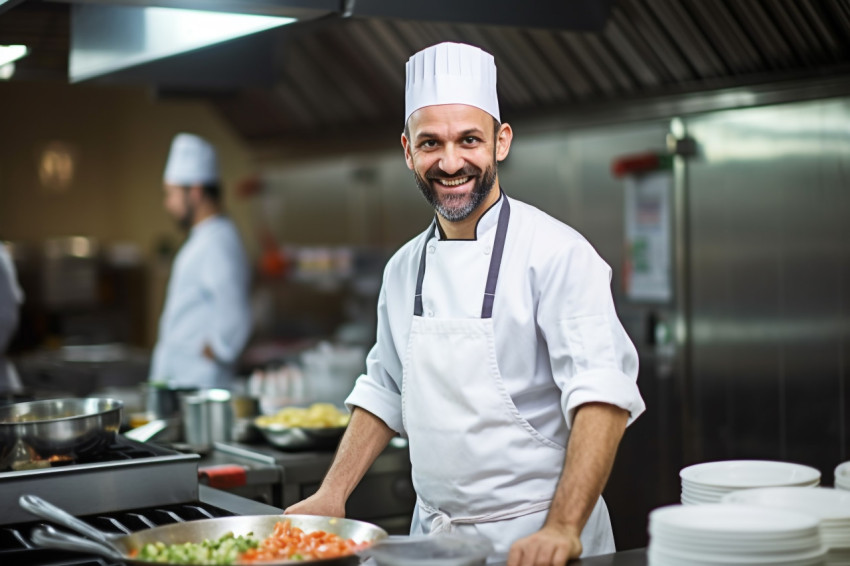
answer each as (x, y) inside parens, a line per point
(478, 466)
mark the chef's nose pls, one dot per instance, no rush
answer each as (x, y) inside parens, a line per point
(452, 160)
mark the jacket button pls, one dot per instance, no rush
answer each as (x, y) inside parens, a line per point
(431, 249)
(487, 250)
(431, 313)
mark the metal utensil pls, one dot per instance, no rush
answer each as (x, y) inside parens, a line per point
(120, 547)
(72, 427)
(299, 438)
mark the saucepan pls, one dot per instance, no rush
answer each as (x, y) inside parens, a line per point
(39, 431)
(121, 547)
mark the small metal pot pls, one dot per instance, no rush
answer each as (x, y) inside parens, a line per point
(39, 430)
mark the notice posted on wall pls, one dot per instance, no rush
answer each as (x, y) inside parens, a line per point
(648, 225)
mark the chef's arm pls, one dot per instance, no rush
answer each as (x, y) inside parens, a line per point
(596, 433)
(365, 438)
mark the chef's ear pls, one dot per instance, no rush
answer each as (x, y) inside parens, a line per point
(504, 136)
(405, 143)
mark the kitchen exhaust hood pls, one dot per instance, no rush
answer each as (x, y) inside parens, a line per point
(105, 39)
(122, 40)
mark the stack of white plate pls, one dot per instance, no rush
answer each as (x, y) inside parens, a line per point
(842, 476)
(709, 482)
(830, 506)
(725, 533)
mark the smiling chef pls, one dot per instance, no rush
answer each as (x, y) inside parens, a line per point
(499, 353)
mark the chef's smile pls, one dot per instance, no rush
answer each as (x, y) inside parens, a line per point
(453, 182)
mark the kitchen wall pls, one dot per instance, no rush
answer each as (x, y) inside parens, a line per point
(119, 139)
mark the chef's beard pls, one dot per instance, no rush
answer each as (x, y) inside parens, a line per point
(185, 221)
(456, 207)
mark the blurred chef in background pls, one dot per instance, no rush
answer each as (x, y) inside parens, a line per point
(11, 297)
(206, 321)
(499, 353)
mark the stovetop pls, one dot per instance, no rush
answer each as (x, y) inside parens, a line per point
(16, 547)
(129, 475)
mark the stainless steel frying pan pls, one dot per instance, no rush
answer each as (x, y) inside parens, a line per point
(36, 431)
(119, 547)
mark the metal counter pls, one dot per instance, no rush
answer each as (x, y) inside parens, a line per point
(636, 557)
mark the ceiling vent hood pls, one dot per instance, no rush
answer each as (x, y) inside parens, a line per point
(168, 43)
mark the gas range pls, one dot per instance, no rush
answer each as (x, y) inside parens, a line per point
(133, 486)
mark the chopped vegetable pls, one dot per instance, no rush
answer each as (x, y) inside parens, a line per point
(291, 543)
(285, 543)
(223, 550)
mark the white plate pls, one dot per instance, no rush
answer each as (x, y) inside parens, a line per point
(659, 556)
(734, 521)
(720, 545)
(842, 475)
(749, 474)
(821, 502)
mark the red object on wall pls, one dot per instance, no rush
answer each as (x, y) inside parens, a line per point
(635, 163)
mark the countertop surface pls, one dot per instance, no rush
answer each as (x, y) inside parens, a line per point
(636, 557)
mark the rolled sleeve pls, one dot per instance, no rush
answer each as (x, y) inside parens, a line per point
(593, 360)
(377, 391)
(602, 386)
(378, 400)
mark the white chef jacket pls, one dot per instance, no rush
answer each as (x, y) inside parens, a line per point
(559, 343)
(207, 302)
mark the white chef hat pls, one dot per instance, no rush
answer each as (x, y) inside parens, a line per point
(451, 73)
(192, 161)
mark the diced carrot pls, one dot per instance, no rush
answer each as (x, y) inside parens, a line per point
(287, 541)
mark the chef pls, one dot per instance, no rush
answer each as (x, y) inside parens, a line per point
(207, 319)
(11, 297)
(499, 354)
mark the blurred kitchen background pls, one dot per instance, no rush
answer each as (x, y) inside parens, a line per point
(715, 134)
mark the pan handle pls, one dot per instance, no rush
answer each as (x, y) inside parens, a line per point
(49, 537)
(41, 508)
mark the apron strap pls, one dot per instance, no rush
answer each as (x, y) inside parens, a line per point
(417, 299)
(492, 273)
(496, 260)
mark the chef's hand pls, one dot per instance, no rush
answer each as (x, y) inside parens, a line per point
(550, 546)
(208, 352)
(320, 503)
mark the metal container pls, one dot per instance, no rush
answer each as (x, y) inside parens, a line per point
(57, 428)
(164, 402)
(300, 438)
(207, 418)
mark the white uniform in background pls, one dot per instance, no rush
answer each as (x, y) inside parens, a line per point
(207, 302)
(208, 297)
(487, 403)
(11, 297)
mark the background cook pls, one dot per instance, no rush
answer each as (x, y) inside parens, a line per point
(206, 321)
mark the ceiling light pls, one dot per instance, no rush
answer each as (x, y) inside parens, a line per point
(108, 38)
(9, 53)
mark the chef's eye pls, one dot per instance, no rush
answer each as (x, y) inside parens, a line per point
(428, 144)
(470, 140)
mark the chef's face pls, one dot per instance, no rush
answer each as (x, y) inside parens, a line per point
(178, 204)
(453, 150)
